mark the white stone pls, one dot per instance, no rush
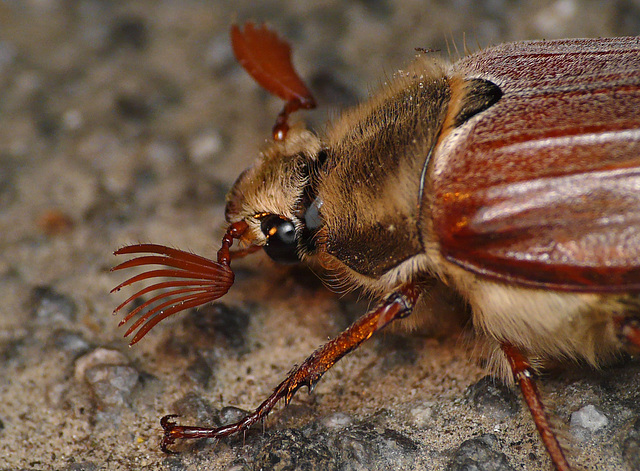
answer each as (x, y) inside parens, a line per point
(590, 418)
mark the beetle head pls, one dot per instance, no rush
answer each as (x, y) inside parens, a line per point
(272, 205)
(273, 197)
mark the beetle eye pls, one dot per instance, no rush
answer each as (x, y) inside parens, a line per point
(281, 239)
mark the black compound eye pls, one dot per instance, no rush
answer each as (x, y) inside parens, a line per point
(281, 239)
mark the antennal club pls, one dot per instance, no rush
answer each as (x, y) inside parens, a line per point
(267, 58)
(194, 280)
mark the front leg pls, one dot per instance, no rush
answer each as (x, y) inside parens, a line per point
(397, 305)
(628, 331)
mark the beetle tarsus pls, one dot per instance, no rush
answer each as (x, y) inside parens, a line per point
(168, 438)
(309, 372)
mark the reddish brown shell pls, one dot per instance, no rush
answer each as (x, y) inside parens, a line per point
(543, 188)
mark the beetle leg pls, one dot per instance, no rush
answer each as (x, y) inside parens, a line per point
(397, 305)
(628, 330)
(523, 374)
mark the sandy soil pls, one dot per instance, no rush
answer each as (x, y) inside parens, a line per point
(128, 121)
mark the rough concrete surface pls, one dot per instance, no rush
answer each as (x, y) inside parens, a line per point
(128, 121)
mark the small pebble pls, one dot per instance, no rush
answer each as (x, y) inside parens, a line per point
(479, 454)
(396, 441)
(50, 306)
(97, 357)
(337, 420)
(631, 447)
(173, 463)
(204, 147)
(367, 446)
(70, 342)
(421, 415)
(165, 155)
(587, 421)
(590, 418)
(193, 405)
(493, 398)
(357, 447)
(82, 466)
(112, 385)
(72, 119)
(290, 449)
(230, 415)
(220, 324)
(199, 371)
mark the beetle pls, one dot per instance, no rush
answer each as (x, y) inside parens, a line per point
(512, 176)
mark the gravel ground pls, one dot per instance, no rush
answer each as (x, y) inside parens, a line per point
(128, 121)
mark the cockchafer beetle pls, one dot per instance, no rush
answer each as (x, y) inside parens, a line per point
(512, 175)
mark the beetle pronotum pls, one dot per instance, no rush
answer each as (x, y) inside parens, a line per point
(513, 176)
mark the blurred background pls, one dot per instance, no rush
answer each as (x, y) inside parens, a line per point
(125, 122)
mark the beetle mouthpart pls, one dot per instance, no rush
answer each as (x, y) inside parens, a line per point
(195, 280)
